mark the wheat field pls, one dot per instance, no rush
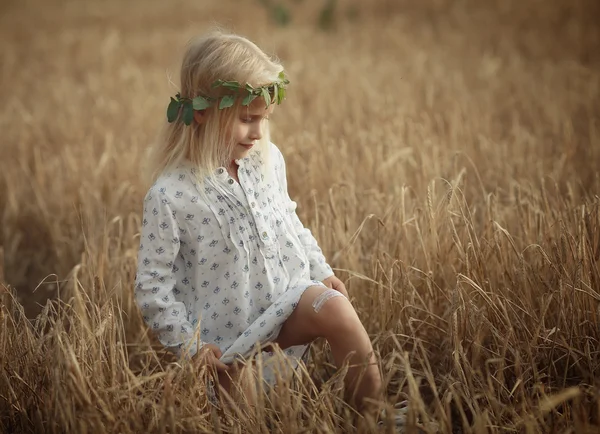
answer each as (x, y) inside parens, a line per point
(444, 153)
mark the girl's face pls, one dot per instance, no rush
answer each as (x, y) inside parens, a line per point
(249, 127)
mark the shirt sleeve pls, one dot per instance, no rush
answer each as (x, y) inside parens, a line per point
(155, 279)
(319, 268)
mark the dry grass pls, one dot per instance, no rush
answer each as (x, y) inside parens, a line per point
(445, 154)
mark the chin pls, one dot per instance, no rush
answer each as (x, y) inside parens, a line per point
(241, 154)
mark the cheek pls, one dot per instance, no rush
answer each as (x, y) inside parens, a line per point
(240, 131)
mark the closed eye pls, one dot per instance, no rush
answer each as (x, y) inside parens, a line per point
(252, 119)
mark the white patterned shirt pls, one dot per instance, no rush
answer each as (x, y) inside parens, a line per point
(228, 259)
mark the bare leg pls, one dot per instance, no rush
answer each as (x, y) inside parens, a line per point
(240, 384)
(339, 324)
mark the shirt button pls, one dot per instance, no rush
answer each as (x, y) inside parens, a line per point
(231, 181)
(220, 170)
(265, 235)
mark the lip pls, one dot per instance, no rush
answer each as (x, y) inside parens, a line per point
(246, 145)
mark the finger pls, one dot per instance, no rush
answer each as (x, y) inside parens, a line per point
(204, 350)
(341, 288)
(220, 366)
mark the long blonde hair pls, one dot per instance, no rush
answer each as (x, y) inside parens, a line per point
(207, 146)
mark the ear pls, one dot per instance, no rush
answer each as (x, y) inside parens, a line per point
(200, 116)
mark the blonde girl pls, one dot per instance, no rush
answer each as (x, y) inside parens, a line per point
(224, 261)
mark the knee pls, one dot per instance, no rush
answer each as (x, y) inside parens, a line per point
(336, 314)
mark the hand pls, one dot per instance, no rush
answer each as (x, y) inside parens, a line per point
(210, 354)
(334, 283)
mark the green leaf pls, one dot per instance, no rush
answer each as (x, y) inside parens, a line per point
(200, 103)
(275, 97)
(173, 110)
(217, 83)
(282, 78)
(231, 84)
(249, 98)
(188, 112)
(280, 94)
(266, 96)
(227, 101)
(249, 88)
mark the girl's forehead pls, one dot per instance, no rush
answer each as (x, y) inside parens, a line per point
(257, 108)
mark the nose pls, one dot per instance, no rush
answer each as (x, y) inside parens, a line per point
(255, 132)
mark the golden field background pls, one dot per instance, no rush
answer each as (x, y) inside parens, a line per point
(444, 153)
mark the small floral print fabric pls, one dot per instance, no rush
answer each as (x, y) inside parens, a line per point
(224, 262)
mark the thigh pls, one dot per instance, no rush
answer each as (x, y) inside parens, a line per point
(304, 324)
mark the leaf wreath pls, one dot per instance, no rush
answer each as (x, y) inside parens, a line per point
(272, 93)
